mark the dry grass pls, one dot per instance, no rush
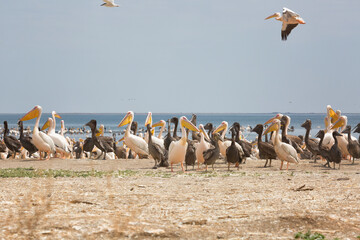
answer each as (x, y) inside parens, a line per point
(253, 203)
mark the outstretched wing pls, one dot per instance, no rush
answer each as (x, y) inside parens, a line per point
(286, 30)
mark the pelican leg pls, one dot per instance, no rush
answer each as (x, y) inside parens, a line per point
(287, 166)
(182, 167)
(48, 156)
(155, 166)
(104, 155)
(270, 163)
(281, 165)
(171, 167)
(266, 163)
(228, 166)
(353, 161)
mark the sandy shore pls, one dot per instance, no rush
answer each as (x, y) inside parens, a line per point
(252, 203)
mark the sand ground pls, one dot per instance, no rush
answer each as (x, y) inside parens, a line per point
(143, 203)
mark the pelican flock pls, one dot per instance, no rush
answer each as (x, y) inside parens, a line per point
(334, 143)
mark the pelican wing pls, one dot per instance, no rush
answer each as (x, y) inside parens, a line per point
(47, 140)
(288, 14)
(286, 30)
(14, 142)
(109, 1)
(290, 152)
(208, 153)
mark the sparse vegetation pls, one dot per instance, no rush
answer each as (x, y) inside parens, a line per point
(309, 236)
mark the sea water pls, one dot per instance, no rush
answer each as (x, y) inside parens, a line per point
(111, 121)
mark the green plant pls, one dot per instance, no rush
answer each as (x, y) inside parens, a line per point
(309, 236)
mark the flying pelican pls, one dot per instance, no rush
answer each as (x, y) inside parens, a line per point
(42, 142)
(284, 151)
(177, 149)
(289, 20)
(109, 3)
(135, 143)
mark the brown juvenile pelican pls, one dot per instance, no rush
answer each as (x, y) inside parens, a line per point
(195, 136)
(289, 20)
(233, 154)
(266, 150)
(209, 127)
(158, 153)
(334, 154)
(212, 154)
(168, 138)
(26, 141)
(246, 146)
(312, 144)
(11, 142)
(353, 145)
(175, 120)
(104, 144)
(120, 151)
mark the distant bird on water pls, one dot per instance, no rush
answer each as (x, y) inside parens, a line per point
(109, 3)
(290, 20)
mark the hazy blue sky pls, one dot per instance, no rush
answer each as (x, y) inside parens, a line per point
(178, 56)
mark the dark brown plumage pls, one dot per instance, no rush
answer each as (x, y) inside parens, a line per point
(353, 145)
(233, 154)
(26, 141)
(11, 142)
(266, 150)
(105, 144)
(158, 153)
(311, 144)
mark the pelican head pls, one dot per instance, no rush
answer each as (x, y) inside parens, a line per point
(187, 124)
(55, 114)
(274, 126)
(127, 119)
(342, 121)
(306, 124)
(148, 120)
(202, 130)
(46, 124)
(277, 116)
(221, 127)
(92, 124)
(33, 113)
(277, 16)
(160, 123)
(347, 129)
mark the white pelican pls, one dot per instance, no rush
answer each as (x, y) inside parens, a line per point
(109, 3)
(289, 20)
(135, 143)
(331, 116)
(284, 151)
(43, 142)
(177, 149)
(202, 146)
(158, 141)
(342, 140)
(224, 144)
(61, 144)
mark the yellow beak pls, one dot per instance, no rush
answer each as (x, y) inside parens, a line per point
(46, 125)
(221, 127)
(272, 119)
(186, 123)
(338, 123)
(333, 115)
(57, 116)
(159, 124)
(33, 113)
(273, 127)
(148, 119)
(272, 16)
(126, 120)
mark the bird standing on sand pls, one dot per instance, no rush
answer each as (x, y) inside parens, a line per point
(266, 150)
(232, 153)
(284, 151)
(177, 149)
